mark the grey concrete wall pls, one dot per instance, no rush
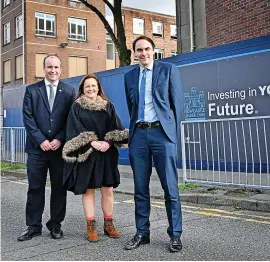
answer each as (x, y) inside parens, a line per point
(183, 25)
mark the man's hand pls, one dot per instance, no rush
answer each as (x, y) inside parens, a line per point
(55, 144)
(46, 146)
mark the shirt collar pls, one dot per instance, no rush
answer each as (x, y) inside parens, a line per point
(49, 83)
(149, 67)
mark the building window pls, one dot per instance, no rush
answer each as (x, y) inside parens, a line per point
(19, 66)
(19, 26)
(6, 66)
(110, 50)
(77, 66)
(173, 53)
(173, 32)
(78, 1)
(6, 33)
(138, 26)
(76, 29)
(159, 53)
(157, 28)
(45, 24)
(6, 3)
(39, 65)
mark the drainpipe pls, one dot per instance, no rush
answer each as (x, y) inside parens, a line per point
(23, 41)
(191, 25)
(178, 27)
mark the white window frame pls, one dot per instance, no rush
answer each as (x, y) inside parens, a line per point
(110, 42)
(77, 22)
(173, 31)
(159, 53)
(6, 28)
(173, 53)
(78, 1)
(135, 60)
(138, 26)
(19, 25)
(47, 18)
(4, 80)
(157, 28)
(6, 3)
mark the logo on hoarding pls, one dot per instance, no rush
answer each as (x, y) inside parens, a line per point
(195, 105)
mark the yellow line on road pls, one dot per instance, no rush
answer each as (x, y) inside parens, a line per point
(212, 212)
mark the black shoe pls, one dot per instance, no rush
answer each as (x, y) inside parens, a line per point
(28, 234)
(136, 241)
(57, 233)
(175, 244)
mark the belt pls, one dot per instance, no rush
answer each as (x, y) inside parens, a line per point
(147, 125)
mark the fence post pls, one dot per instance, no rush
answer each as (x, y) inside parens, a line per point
(183, 146)
(12, 145)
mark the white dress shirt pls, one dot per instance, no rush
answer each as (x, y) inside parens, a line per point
(55, 84)
(149, 111)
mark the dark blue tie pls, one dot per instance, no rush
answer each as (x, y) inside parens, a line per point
(142, 96)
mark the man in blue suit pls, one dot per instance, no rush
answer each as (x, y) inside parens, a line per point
(154, 97)
(46, 106)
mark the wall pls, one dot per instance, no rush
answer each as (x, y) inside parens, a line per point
(230, 21)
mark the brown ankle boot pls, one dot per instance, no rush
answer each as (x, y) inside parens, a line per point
(91, 231)
(109, 228)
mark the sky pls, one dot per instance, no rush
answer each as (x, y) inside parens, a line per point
(159, 6)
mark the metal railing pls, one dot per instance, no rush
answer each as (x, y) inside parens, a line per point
(12, 144)
(231, 151)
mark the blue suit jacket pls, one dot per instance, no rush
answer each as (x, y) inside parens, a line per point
(168, 97)
(40, 123)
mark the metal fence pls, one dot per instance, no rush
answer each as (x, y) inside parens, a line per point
(12, 144)
(223, 152)
(231, 151)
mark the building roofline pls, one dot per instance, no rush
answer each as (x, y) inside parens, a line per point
(146, 11)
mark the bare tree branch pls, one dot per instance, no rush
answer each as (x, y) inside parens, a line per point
(109, 5)
(103, 19)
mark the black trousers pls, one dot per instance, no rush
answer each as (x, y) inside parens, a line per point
(37, 169)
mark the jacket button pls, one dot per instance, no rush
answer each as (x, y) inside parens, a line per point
(51, 120)
(49, 131)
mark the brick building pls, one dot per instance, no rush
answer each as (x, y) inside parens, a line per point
(160, 27)
(64, 27)
(209, 23)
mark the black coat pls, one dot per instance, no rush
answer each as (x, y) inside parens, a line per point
(86, 167)
(40, 123)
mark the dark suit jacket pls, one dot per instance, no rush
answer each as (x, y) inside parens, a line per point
(168, 97)
(40, 123)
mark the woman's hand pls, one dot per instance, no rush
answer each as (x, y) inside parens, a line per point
(104, 146)
(96, 144)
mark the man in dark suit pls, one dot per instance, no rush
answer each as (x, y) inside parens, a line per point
(154, 97)
(45, 110)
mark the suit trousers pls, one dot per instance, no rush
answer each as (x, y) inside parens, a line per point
(37, 169)
(145, 145)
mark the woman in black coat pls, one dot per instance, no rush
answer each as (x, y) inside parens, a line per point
(93, 130)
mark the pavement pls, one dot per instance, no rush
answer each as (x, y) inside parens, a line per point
(239, 198)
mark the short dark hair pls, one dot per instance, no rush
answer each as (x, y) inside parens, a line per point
(51, 55)
(143, 37)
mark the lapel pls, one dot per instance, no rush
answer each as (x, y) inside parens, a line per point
(136, 76)
(43, 92)
(156, 69)
(59, 94)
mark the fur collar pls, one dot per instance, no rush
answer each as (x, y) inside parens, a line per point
(86, 103)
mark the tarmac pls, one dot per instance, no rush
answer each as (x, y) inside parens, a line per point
(236, 197)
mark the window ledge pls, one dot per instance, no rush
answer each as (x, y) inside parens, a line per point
(47, 36)
(77, 40)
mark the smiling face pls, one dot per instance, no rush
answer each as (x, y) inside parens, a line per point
(52, 69)
(90, 88)
(144, 52)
